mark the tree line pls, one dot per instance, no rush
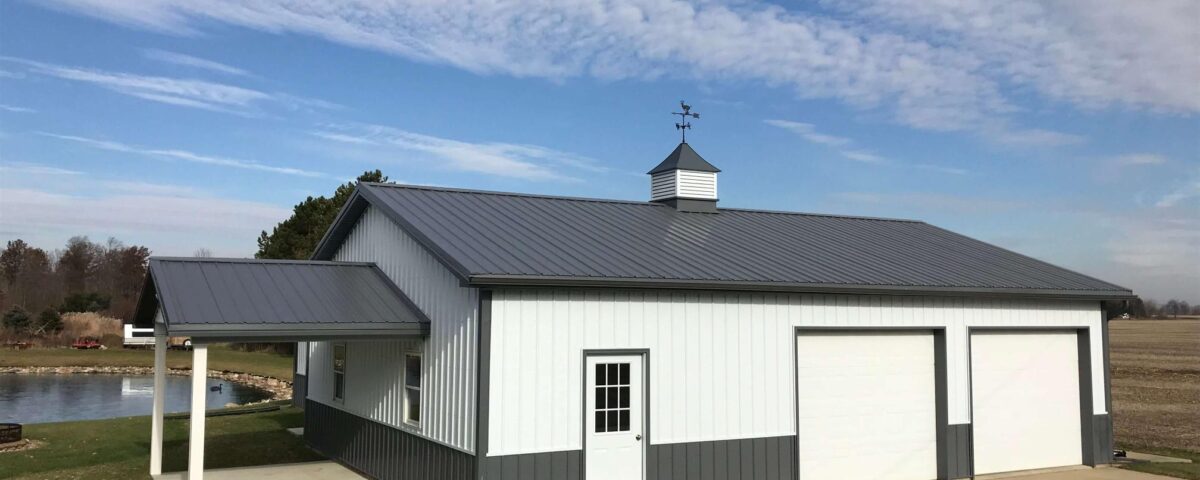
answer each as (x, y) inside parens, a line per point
(1150, 308)
(37, 286)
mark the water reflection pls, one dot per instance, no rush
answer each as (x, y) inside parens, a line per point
(56, 398)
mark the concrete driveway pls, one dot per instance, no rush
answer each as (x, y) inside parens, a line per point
(1082, 473)
(294, 471)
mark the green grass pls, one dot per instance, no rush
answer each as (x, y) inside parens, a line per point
(119, 448)
(1189, 471)
(220, 357)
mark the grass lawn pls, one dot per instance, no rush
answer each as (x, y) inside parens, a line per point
(220, 357)
(1156, 391)
(119, 448)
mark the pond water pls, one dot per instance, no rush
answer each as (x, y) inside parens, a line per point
(58, 398)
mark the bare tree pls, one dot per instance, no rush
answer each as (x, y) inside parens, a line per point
(202, 253)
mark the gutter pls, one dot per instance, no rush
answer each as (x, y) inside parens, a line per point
(492, 281)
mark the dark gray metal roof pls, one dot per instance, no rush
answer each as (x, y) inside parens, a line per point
(275, 299)
(493, 239)
(684, 158)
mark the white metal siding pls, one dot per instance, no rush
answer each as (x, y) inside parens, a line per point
(684, 184)
(373, 388)
(721, 364)
(301, 357)
(697, 184)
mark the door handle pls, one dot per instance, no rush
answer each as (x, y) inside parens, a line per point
(638, 437)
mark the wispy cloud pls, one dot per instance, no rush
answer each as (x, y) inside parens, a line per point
(193, 62)
(931, 65)
(863, 156)
(10, 108)
(183, 155)
(1189, 190)
(1033, 137)
(529, 162)
(941, 169)
(36, 169)
(1134, 159)
(927, 202)
(201, 94)
(809, 132)
(169, 222)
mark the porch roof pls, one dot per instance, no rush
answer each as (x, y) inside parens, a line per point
(224, 299)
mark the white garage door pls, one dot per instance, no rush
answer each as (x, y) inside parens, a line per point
(1025, 400)
(866, 405)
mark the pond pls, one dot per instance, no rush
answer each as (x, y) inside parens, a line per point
(57, 398)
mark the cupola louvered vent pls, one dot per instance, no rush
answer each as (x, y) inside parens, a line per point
(685, 180)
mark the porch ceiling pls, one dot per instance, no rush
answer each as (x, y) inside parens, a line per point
(252, 300)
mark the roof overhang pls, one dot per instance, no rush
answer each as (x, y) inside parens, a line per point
(252, 300)
(501, 281)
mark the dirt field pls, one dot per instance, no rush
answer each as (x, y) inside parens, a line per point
(1156, 383)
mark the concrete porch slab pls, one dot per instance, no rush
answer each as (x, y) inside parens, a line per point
(325, 470)
(1077, 473)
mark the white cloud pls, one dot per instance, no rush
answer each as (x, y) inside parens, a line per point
(941, 169)
(1093, 54)
(931, 202)
(201, 94)
(863, 156)
(194, 62)
(168, 224)
(1034, 137)
(933, 64)
(809, 132)
(10, 108)
(1133, 159)
(36, 169)
(1188, 191)
(184, 155)
(529, 162)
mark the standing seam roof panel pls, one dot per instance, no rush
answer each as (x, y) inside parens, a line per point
(514, 235)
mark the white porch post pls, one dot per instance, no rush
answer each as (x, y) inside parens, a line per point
(156, 417)
(199, 392)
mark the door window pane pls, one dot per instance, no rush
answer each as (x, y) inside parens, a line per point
(612, 402)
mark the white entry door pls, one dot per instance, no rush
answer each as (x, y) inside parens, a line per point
(613, 423)
(866, 405)
(1025, 400)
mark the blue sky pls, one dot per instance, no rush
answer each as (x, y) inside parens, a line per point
(1041, 127)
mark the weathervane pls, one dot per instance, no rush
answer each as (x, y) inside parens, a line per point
(683, 124)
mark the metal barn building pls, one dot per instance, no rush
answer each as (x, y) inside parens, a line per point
(459, 334)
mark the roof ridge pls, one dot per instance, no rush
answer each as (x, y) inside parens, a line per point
(329, 263)
(624, 202)
(510, 194)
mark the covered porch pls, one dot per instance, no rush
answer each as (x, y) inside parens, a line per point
(248, 300)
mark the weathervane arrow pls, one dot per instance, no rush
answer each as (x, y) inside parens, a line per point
(683, 124)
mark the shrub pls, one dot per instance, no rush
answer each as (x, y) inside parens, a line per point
(85, 302)
(49, 322)
(16, 320)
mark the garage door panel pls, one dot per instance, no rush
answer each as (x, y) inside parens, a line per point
(866, 405)
(1025, 400)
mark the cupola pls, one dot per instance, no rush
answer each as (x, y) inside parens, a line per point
(686, 181)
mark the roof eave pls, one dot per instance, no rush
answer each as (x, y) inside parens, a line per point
(211, 333)
(485, 281)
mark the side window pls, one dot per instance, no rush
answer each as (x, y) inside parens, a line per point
(412, 388)
(339, 372)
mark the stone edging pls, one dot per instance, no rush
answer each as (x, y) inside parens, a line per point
(279, 389)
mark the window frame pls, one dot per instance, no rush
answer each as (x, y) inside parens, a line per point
(418, 389)
(339, 375)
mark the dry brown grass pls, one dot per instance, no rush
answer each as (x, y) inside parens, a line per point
(1156, 383)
